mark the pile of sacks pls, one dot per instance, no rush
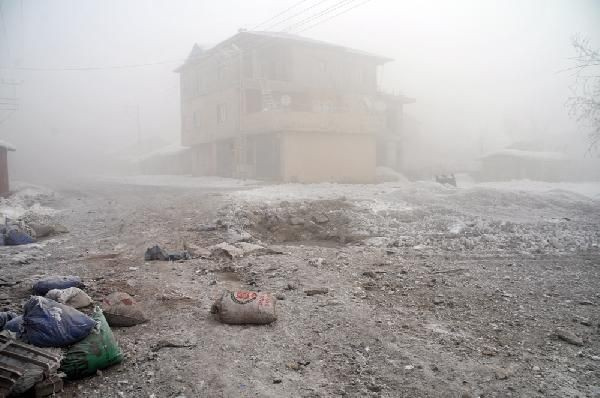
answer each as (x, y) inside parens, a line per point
(51, 318)
(14, 233)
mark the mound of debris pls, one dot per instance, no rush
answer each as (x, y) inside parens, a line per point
(320, 220)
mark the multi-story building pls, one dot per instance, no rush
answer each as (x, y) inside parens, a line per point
(284, 107)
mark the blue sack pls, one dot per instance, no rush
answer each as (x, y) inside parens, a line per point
(43, 286)
(14, 325)
(47, 323)
(5, 317)
(15, 237)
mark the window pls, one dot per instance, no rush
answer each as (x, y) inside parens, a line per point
(253, 101)
(201, 83)
(322, 66)
(197, 119)
(221, 113)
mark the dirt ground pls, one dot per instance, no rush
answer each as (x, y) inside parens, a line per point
(444, 293)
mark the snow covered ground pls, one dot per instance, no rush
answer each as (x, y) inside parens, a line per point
(25, 199)
(181, 181)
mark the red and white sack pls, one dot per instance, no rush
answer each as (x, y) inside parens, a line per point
(245, 307)
(120, 309)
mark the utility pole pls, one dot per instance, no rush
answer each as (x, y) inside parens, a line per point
(139, 129)
(9, 102)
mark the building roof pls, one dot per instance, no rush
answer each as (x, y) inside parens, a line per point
(172, 149)
(9, 147)
(196, 54)
(519, 153)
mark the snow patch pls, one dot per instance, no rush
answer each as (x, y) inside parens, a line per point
(181, 181)
(25, 200)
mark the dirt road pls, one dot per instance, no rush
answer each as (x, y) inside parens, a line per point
(452, 293)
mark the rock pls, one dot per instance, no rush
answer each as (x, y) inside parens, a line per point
(568, 337)
(554, 242)
(196, 251)
(293, 366)
(156, 253)
(501, 374)
(376, 241)
(235, 236)
(320, 218)
(60, 229)
(586, 302)
(42, 230)
(438, 300)
(373, 387)
(317, 262)
(277, 381)
(248, 248)
(409, 367)
(370, 274)
(227, 250)
(315, 291)
(296, 220)
(206, 228)
(280, 296)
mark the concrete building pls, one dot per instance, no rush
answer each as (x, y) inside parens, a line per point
(283, 107)
(517, 164)
(5, 147)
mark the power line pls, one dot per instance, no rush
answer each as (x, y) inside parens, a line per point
(334, 7)
(92, 68)
(334, 16)
(266, 40)
(296, 14)
(278, 15)
(164, 62)
(141, 65)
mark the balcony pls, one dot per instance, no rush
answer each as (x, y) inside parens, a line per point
(282, 120)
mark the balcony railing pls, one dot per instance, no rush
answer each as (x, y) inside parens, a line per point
(282, 120)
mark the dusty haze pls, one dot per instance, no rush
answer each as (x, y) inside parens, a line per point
(484, 74)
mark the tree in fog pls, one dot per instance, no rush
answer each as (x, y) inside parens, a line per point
(584, 104)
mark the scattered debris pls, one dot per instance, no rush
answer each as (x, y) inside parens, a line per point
(6, 317)
(320, 218)
(72, 296)
(317, 262)
(170, 344)
(316, 291)
(155, 253)
(43, 286)
(569, 337)
(14, 234)
(44, 230)
(23, 366)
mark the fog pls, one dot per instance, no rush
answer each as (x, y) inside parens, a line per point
(91, 79)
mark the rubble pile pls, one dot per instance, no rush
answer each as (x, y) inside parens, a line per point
(407, 218)
(52, 339)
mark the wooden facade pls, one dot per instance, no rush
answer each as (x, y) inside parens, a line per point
(4, 179)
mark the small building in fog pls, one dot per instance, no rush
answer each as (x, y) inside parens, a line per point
(278, 106)
(5, 147)
(171, 159)
(519, 164)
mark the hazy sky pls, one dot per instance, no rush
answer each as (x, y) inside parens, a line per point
(484, 73)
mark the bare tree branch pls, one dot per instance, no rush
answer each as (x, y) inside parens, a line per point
(584, 104)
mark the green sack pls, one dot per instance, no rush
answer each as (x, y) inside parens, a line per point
(98, 350)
